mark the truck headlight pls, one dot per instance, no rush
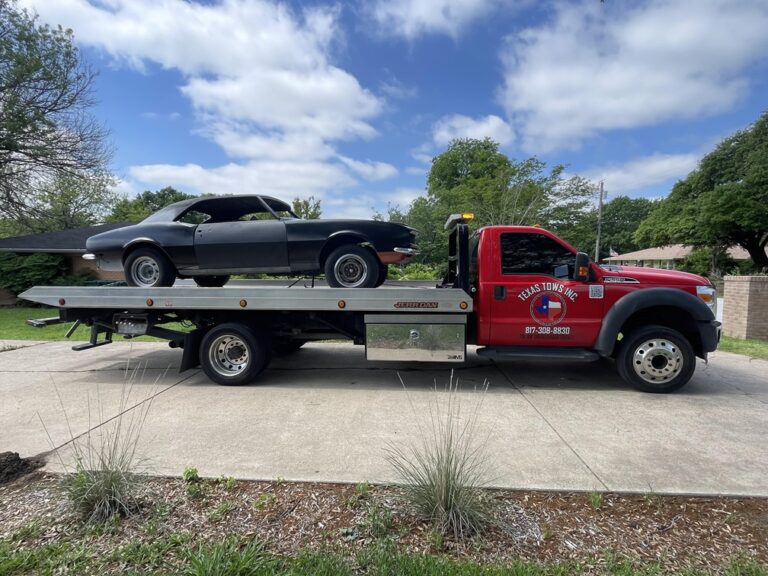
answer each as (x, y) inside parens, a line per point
(709, 295)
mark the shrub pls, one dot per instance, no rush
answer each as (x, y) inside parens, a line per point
(443, 473)
(21, 271)
(103, 480)
(413, 271)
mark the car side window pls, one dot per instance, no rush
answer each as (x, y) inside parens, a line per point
(193, 217)
(257, 216)
(531, 253)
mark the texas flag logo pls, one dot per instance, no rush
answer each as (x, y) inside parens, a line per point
(548, 308)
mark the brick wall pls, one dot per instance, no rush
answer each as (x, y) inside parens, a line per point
(745, 310)
(77, 264)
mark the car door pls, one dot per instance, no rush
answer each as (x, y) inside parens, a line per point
(255, 245)
(535, 301)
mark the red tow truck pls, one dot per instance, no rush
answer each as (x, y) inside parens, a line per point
(513, 291)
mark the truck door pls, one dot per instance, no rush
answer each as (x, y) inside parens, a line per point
(534, 300)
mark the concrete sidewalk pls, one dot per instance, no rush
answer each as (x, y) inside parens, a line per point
(326, 414)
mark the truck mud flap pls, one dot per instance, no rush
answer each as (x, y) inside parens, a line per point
(191, 357)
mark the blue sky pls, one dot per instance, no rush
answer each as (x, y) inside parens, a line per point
(348, 101)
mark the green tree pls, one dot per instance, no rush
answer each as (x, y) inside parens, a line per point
(473, 176)
(145, 204)
(67, 202)
(621, 218)
(723, 202)
(46, 129)
(308, 209)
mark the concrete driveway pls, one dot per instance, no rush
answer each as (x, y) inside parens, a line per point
(326, 414)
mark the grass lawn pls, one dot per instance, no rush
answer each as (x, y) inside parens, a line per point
(753, 348)
(13, 326)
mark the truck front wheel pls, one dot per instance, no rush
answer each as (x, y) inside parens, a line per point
(233, 354)
(656, 359)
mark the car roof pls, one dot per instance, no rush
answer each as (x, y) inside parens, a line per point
(220, 205)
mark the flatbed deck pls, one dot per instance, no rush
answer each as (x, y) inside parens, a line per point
(425, 300)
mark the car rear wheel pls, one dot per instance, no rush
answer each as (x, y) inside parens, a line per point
(148, 268)
(233, 354)
(352, 266)
(211, 281)
(656, 359)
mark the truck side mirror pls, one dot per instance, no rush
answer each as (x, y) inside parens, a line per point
(581, 269)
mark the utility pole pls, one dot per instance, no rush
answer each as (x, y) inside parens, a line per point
(599, 224)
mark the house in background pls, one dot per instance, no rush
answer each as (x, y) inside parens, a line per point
(69, 243)
(668, 257)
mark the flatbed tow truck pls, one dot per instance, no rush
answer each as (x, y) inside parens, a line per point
(514, 291)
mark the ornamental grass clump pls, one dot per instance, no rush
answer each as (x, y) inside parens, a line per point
(443, 473)
(101, 473)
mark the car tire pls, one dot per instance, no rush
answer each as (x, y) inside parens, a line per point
(656, 359)
(233, 354)
(284, 347)
(352, 266)
(211, 281)
(383, 271)
(148, 268)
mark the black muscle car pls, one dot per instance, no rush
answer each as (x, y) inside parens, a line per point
(209, 238)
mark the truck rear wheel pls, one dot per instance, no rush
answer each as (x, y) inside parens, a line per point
(656, 359)
(233, 354)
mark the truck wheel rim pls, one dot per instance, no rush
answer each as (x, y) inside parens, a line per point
(657, 361)
(228, 355)
(145, 271)
(350, 270)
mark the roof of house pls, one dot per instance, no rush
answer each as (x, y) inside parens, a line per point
(63, 242)
(672, 252)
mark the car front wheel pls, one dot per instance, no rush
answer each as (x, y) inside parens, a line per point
(352, 266)
(148, 268)
(656, 359)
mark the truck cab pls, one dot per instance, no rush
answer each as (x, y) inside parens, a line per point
(536, 295)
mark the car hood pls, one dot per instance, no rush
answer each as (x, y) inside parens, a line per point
(658, 276)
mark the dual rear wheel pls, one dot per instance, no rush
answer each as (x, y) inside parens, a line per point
(234, 354)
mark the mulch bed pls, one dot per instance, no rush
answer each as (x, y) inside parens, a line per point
(678, 531)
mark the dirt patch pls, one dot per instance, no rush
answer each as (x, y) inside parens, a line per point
(12, 466)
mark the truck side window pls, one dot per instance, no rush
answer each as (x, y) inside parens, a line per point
(530, 253)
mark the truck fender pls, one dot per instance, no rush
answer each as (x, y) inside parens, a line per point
(648, 298)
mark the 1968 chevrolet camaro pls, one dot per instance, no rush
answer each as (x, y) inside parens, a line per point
(210, 238)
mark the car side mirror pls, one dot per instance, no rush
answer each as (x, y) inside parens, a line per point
(581, 269)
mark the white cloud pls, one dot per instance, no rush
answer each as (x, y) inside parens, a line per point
(370, 170)
(260, 77)
(125, 188)
(449, 128)
(643, 172)
(411, 18)
(402, 197)
(416, 170)
(604, 66)
(283, 179)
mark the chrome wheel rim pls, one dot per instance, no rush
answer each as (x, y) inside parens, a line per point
(350, 270)
(228, 355)
(145, 271)
(657, 361)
